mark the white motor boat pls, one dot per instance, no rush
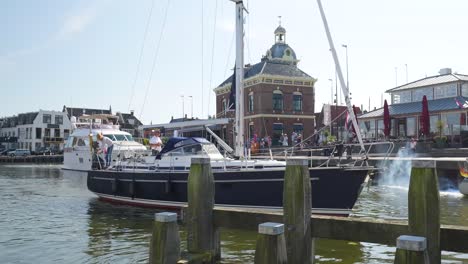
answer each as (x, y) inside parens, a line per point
(78, 152)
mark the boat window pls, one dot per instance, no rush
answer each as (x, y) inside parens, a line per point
(193, 150)
(117, 137)
(69, 143)
(210, 149)
(110, 136)
(81, 142)
(129, 137)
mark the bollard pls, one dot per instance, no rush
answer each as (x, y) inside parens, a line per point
(411, 250)
(424, 206)
(271, 245)
(165, 241)
(297, 207)
(202, 237)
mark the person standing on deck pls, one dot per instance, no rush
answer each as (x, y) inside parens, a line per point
(106, 143)
(155, 142)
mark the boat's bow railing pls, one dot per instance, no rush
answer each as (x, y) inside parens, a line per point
(352, 154)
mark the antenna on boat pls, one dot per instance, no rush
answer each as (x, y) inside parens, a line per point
(344, 88)
(239, 71)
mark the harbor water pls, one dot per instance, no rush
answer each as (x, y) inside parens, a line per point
(49, 216)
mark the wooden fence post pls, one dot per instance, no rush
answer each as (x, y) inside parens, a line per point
(297, 206)
(411, 250)
(165, 241)
(202, 237)
(271, 245)
(424, 206)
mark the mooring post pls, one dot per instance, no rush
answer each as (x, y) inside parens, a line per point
(165, 241)
(297, 206)
(202, 237)
(271, 245)
(411, 250)
(424, 206)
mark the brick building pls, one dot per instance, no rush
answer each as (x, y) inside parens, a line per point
(278, 96)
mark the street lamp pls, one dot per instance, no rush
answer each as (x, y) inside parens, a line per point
(191, 105)
(347, 75)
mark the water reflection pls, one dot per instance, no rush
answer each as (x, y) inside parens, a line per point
(47, 216)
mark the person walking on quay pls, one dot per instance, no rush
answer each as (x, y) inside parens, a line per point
(155, 142)
(285, 140)
(106, 145)
(413, 145)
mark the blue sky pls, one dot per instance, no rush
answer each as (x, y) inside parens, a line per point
(86, 53)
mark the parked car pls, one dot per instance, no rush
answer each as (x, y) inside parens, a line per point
(19, 152)
(5, 151)
(43, 151)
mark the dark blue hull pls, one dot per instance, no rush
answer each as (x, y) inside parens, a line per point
(334, 190)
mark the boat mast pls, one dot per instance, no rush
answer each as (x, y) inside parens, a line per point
(344, 88)
(239, 120)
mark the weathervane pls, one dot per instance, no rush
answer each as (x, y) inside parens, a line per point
(279, 20)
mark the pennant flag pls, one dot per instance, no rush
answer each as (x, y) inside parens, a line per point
(460, 104)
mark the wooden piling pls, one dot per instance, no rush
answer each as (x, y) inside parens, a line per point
(297, 211)
(202, 236)
(271, 245)
(411, 250)
(424, 206)
(165, 241)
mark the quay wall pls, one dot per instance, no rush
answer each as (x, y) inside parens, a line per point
(58, 159)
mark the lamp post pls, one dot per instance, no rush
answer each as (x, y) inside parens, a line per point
(191, 106)
(347, 73)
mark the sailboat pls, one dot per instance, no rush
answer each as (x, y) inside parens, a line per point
(239, 182)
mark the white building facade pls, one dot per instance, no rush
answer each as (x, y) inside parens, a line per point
(37, 129)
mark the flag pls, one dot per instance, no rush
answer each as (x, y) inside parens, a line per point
(460, 104)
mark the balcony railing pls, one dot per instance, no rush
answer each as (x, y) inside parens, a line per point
(53, 139)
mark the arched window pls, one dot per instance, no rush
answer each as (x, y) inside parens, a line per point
(297, 102)
(251, 102)
(277, 100)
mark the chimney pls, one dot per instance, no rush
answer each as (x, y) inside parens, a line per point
(445, 71)
(132, 112)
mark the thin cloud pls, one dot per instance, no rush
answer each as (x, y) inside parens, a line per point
(78, 22)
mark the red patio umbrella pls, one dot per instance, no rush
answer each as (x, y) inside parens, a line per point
(424, 120)
(386, 119)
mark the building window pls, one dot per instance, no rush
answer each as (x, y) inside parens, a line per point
(57, 133)
(277, 100)
(418, 94)
(451, 123)
(38, 133)
(46, 119)
(444, 91)
(298, 128)
(297, 102)
(433, 122)
(277, 134)
(223, 111)
(411, 126)
(58, 120)
(27, 133)
(251, 131)
(251, 102)
(47, 132)
(464, 90)
(66, 134)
